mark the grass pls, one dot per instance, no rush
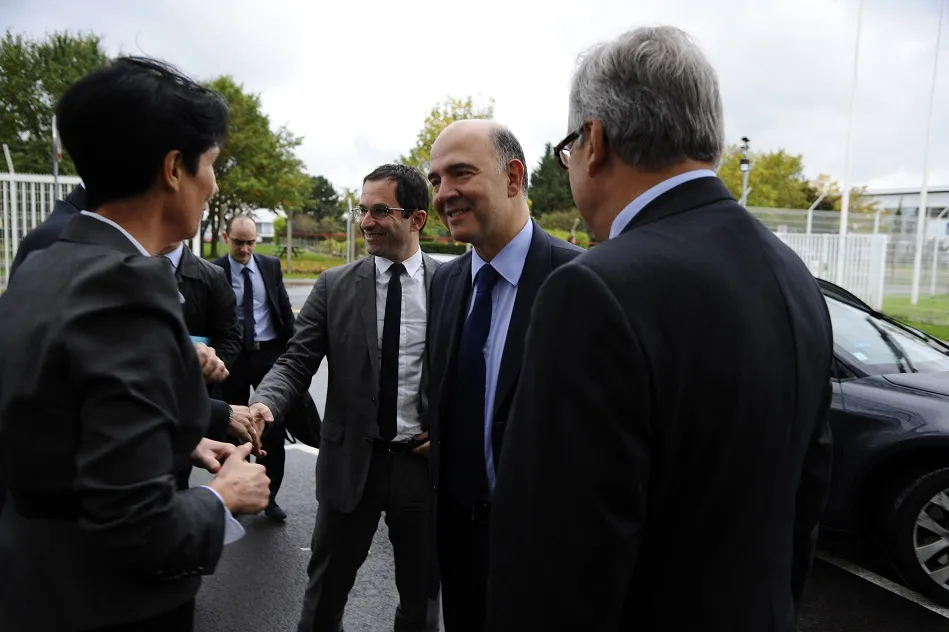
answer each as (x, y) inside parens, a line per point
(930, 314)
(306, 265)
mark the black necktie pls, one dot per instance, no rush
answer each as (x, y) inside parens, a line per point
(389, 373)
(248, 307)
(471, 478)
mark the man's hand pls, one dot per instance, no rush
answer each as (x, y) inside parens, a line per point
(210, 454)
(423, 449)
(261, 415)
(211, 366)
(243, 486)
(242, 426)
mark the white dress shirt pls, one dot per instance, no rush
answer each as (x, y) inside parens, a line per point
(233, 530)
(411, 338)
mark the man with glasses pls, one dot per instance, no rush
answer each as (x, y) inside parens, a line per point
(266, 322)
(481, 304)
(368, 319)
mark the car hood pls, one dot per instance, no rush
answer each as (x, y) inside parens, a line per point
(937, 383)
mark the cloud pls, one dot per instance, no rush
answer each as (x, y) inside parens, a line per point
(356, 79)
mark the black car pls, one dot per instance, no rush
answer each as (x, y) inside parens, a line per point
(890, 423)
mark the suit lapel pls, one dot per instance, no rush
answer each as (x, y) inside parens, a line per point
(537, 267)
(366, 303)
(458, 287)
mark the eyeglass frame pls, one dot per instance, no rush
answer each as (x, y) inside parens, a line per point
(562, 147)
(358, 213)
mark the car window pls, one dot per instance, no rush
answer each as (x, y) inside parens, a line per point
(880, 347)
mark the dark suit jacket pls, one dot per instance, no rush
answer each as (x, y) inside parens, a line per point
(210, 307)
(339, 322)
(101, 404)
(277, 298)
(48, 231)
(668, 454)
(451, 290)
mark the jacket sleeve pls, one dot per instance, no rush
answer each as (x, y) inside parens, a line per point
(283, 300)
(222, 316)
(128, 365)
(290, 376)
(220, 420)
(575, 465)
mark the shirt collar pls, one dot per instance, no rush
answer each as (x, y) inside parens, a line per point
(119, 228)
(509, 263)
(412, 264)
(633, 208)
(237, 267)
(175, 255)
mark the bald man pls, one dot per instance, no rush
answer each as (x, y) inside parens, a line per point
(479, 175)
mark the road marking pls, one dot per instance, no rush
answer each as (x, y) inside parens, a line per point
(884, 583)
(303, 448)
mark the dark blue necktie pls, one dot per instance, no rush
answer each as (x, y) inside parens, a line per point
(469, 478)
(389, 370)
(248, 308)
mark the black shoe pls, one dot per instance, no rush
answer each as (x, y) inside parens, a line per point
(275, 513)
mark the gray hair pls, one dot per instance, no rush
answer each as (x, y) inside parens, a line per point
(656, 95)
(508, 148)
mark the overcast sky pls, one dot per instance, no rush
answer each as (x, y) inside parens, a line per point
(355, 78)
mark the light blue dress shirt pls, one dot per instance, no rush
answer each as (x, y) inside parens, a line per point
(509, 263)
(233, 531)
(633, 208)
(263, 324)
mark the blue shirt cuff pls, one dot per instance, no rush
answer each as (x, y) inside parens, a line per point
(233, 531)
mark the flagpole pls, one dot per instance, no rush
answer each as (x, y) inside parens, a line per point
(845, 200)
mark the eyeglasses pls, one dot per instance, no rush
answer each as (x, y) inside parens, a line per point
(378, 211)
(561, 150)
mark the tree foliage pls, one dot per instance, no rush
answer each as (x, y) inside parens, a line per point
(549, 186)
(257, 167)
(438, 118)
(777, 180)
(34, 74)
(323, 200)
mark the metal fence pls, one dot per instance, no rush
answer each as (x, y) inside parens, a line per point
(25, 201)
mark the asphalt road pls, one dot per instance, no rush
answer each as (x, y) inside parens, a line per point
(260, 580)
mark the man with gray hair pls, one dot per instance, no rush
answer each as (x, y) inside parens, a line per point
(480, 306)
(669, 471)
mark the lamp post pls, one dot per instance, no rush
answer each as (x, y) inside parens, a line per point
(745, 167)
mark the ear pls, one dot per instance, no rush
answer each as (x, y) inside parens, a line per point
(594, 147)
(515, 178)
(418, 221)
(172, 170)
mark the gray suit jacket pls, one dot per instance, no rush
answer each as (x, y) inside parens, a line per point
(338, 322)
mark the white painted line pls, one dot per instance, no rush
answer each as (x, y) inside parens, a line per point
(884, 583)
(303, 448)
(305, 549)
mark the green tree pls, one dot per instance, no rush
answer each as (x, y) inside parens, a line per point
(323, 200)
(257, 167)
(776, 179)
(549, 186)
(34, 74)
(440, 117)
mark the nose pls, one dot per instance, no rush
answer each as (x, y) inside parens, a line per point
(367, 221)
(445, 192)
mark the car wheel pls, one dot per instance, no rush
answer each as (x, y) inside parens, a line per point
(918, 534)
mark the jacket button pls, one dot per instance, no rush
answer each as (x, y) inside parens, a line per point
(373, 400)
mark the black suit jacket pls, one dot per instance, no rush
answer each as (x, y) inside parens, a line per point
(669, 438)
(450, 293)
(101, 403)
(210, 307)
(48, 231)
(277, 297)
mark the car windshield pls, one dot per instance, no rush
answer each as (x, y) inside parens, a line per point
(880, 347)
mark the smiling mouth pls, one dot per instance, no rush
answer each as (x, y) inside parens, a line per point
(458, 212)
(374, 234)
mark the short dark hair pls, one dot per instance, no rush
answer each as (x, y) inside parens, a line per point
(411, 187)
(120, 121)
(508, 148)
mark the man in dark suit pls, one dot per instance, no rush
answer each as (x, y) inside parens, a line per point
(94, 523)
(368, 319)
(48, 231)
(668, 454)
(475, 341)
(262, 301)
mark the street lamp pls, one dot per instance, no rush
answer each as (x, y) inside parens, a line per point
(745, 167)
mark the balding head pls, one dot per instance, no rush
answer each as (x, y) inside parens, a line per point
(478, 170)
